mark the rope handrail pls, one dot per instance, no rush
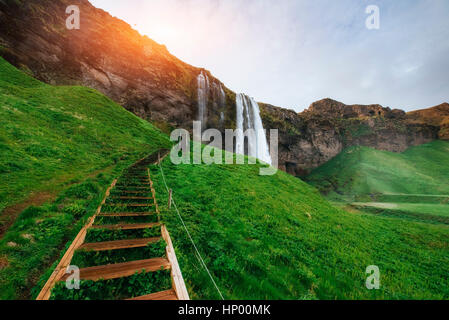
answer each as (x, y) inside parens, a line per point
(198, 255)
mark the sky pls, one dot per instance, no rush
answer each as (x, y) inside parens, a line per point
(290, 53)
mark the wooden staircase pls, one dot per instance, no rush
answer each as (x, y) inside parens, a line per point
(119, 270)
(134, 196)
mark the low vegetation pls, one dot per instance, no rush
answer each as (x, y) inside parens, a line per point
(83, 258)
(115, 289)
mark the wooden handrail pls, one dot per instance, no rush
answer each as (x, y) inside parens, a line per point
(61, 268)
(176, 275)
(178, 281)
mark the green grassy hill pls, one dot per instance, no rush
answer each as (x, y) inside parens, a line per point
(277, 238)
(56, 143)
(50, 135)
(263, 237)
(363, 171)
(413, 184)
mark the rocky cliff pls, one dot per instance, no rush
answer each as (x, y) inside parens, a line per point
(108, 55)
(311, 138)
(140, 74)
(436, 116)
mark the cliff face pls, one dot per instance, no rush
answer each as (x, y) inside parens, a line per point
(105, 54)
(311, 138)
(437, 116)
(141, 75)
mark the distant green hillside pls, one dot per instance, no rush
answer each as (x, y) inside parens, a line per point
(275, 237)
(412, 185)
(362, 172)
(56, 143)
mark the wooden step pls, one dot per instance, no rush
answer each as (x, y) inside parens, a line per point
(141, 182)
(126, 214)
(120, 270)
(130, 204)
(135, 186)
(118, 244)
(134, 191)
(136, 176)
(123, 226)
(132, 198)
(138, 173)
(163, 295)
(125, 187)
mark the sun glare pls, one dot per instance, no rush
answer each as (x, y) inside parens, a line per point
(161, 33)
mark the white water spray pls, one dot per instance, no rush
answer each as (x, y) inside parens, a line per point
(248, 117)
(222, 97)
(203, 93)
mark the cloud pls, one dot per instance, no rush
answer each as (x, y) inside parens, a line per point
(290, 53)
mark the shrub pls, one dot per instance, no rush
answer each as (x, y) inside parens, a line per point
(76, 209)
(31, 212)
(82, 191)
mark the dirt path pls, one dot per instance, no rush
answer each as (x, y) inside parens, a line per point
(10, 214)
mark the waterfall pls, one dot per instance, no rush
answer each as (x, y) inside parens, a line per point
(222, 97)
(222, 104)
(248, 117)
(203, 93)
(240, 140)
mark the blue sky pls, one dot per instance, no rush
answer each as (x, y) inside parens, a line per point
(291, 53)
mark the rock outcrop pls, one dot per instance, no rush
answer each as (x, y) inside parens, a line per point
(313, 137)
(437, 116)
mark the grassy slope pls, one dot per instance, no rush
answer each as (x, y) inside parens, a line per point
(360, 172)
(50, 135)
(254, 232)
(256, 236)
(412, 185)
(53, 138)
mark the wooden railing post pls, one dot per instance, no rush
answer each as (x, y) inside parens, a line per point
(169, 198)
